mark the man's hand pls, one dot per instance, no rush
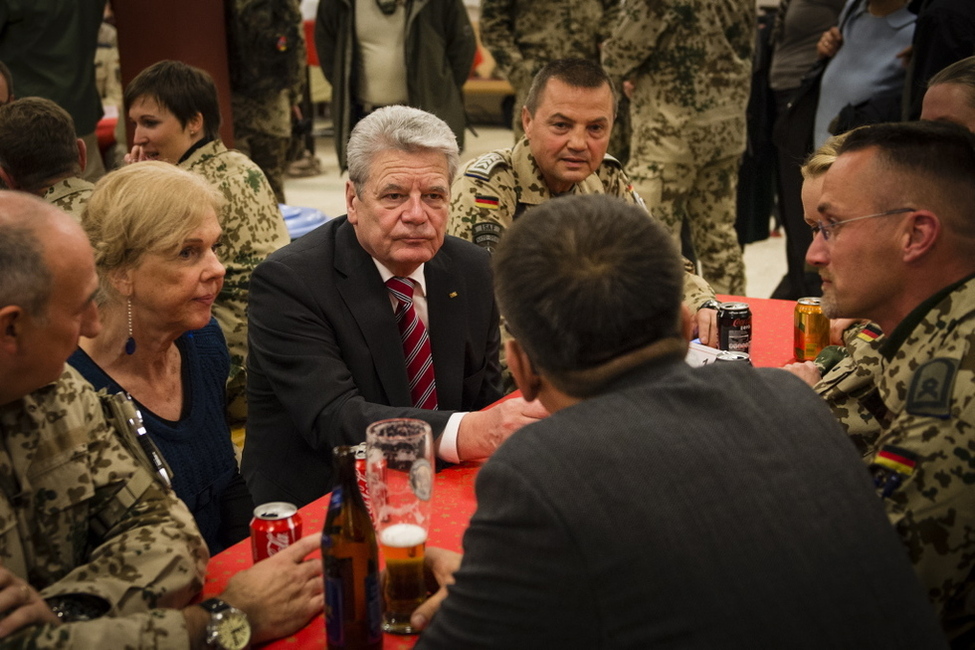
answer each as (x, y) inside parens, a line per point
(481, 432)
(838, 326)
(706, 326)
(806, 371)
(280, 594)
(21, 605)
(439, 566)
(829, 44)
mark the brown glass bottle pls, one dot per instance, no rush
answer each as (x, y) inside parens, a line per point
(353, 605)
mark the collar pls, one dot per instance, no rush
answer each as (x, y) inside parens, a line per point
(417, 275)
(913, 319)
(199, 144)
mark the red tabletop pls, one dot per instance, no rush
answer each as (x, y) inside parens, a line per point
(454, 501)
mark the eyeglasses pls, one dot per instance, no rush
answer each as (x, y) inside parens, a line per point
(827, 228)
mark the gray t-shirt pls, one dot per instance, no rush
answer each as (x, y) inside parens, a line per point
(795, 51)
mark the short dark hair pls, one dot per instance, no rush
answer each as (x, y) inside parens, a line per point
(578, 73)
(38, 143)
(25, 279)
(584, 280)
(181, 89)
(942, 154)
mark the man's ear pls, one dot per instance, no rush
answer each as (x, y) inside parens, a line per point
(350, 208)
(8, 180)
(526, 119)
(11, 324)
(924, 227)
(82, 154)
(522, 370)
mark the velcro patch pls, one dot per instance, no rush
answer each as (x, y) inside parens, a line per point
(487, 234)
(483, 167)
(891, 467)
(931, 388)
(486, 202)
(869, 332)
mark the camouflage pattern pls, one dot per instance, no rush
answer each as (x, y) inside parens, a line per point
(925, 405)
(524, 35)
(690, 62)
(80, 515)
(253, 228)
(496, 188)
(71, 195)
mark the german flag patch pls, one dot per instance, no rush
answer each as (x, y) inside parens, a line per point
(891, 467)
(486, 202)
(869, 332)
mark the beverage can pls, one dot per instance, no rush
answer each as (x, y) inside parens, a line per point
(734, 327)
(811, 329)
(728, 355)
(275, 527)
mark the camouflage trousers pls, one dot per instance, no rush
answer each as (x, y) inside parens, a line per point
(268, 152)
(705, 197)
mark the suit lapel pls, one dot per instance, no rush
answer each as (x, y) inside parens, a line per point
(447, 307)
(364, 294)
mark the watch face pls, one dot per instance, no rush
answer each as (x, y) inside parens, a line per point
(231, 629)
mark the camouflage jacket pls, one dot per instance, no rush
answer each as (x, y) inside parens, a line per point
(79, 515)
(71, 195)
(524, 35)
(496, 188)
(253, 228)
(850, 387)
(690, 62)
(923, 461)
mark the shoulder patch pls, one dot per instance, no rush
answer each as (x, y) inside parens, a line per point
(483, 167)
(931, 388)
(891, 467)
(869, 332)
(487, 234)
(486, 202)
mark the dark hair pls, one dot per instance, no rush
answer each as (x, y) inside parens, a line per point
(181, 89)
(584, 280)
(578, 73)
(961, 73)
(941, 153)
(25, 279)
(38, 144)
(8, 77)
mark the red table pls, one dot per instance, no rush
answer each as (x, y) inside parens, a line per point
(454, 501)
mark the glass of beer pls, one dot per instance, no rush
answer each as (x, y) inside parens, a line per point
(399, 475)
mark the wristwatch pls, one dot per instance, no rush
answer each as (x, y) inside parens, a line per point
(228, 628)
(710, 304)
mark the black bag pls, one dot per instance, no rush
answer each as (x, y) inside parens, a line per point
(266, 46)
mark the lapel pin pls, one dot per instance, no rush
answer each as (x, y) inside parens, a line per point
(452, 294)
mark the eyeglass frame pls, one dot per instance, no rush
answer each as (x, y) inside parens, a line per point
(826, 228)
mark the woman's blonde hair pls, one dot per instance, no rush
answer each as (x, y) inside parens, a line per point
(819, 161)
(146, 207)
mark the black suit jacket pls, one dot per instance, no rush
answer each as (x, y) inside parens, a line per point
(326, 360)
(717, 507)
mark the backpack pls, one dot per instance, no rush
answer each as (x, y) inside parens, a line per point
(266, 46)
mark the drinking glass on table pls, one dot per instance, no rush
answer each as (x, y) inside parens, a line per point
(399, 474)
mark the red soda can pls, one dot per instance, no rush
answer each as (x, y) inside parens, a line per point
(275, 527)
(360, 476)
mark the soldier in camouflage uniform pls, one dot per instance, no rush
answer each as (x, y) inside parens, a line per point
(910, 268)
(253, 226)
(689, 63)
(52, 170)
(524, 35)
(262, 122)
(89, 528)
(496, 188)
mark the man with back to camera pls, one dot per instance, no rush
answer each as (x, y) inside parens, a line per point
(90, 531)
(568, 117)
(40, 153)
(327, 314)
(895, 244)
(644, 519)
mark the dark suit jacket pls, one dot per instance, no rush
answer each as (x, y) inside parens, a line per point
(719, 507)
(326, 360)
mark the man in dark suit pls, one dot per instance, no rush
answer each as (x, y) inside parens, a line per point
(327, 332)
(661, 505)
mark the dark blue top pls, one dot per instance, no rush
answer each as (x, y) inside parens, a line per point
(197, 446)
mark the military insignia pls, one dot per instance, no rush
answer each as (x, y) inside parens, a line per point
(891, 467)
(486, 202)
(483, 167)
(636, 197)
(869, 332)
(931, 388)
(486, 234)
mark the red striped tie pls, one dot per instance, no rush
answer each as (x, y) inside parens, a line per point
(416, 345)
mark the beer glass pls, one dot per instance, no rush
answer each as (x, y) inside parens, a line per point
(399, 475)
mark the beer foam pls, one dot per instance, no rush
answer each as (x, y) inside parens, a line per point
(403, 536)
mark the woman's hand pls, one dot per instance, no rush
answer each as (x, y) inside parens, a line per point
(136, 155)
